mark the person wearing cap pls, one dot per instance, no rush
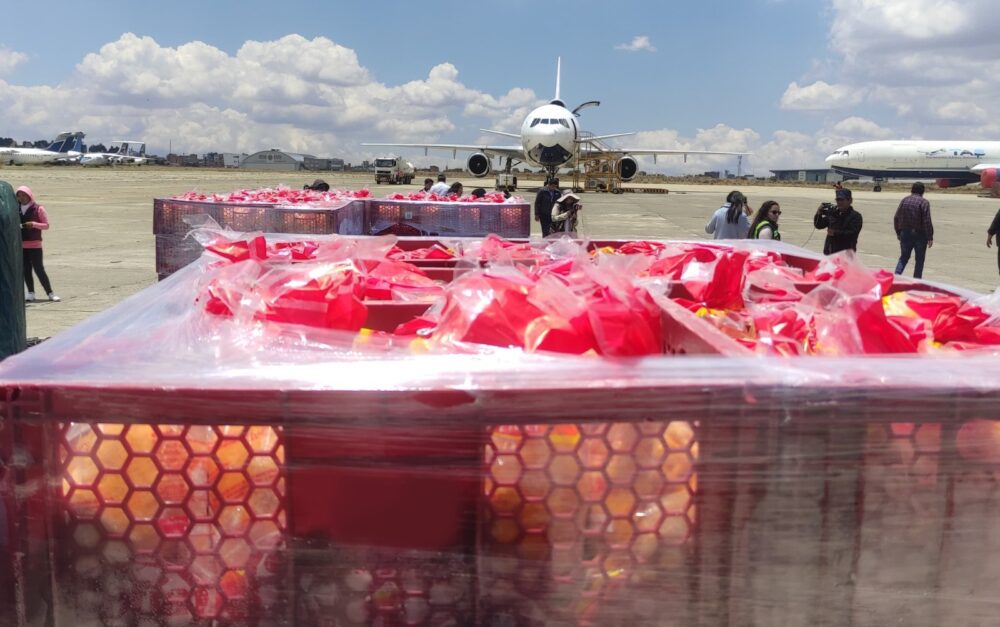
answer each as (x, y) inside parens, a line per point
(842, 223)
(544, 200)
(564, 213)
(914, 229)
(319, 185)
(34, 220)
(441, 187)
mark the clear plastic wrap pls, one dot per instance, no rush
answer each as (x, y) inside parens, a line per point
(165, 463)
(344, 212)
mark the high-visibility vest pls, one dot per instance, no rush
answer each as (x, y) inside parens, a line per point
(775, 235)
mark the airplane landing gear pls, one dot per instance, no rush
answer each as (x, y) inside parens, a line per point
(878, 185)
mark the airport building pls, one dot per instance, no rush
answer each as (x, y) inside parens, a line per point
(312, 163)
(817, 175)
(275, 159)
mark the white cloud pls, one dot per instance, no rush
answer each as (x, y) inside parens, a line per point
(962, 112)
(639, 43)
(859, 128)
(917, 67)
(819, 96)
(719, 137)
(10, 59)
(308, 95)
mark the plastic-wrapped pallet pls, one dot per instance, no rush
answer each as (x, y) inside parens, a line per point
(343, 212)
(222, 447)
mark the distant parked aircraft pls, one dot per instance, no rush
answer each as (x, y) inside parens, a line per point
(550, 138)
(66, 146)
(950, 163)
(122, 152)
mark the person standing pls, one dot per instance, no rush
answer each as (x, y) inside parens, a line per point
(993, 230)
(34, 220)
(730, 221)
(914, 229)
(765, 223)
(441, 187)
(842, 223)
(544, 200)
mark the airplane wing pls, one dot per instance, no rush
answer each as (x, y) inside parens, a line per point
(515, 152)
(655, 152)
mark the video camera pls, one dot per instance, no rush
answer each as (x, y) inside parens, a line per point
(827, 207)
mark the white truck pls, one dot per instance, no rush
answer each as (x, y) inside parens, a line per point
(393, 170)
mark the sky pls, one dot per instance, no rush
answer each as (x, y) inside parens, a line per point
(788, 80)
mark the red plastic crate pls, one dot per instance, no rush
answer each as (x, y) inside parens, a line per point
(710, 489)
(355, 217)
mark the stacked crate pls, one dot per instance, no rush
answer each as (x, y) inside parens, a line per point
(174, 218)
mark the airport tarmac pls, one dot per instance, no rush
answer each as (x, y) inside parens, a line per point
(100, 248)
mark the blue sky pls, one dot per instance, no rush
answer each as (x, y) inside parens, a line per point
(785, 79)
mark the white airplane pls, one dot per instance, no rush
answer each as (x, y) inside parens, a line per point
(950, 163)
(122, 152)
(550, 138)
(66, 146)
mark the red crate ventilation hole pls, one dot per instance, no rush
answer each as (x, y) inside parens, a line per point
(184, 522)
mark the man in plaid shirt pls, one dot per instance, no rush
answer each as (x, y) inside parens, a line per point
(914, 229)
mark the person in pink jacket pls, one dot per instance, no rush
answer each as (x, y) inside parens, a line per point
(34, 220)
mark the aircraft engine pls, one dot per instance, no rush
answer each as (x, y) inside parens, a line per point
(946, 183)
(627, 168)
(988, 178)
(479, 165)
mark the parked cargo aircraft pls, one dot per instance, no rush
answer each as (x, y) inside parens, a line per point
(66, 146)
(122, 152)
(551, 138)
(950, 163)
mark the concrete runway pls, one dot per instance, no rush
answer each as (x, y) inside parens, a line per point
(100, 249)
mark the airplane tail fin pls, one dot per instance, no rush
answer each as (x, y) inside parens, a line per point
(58, 143)
(77, 144)
(65, 142)
(558, 74)
(557, 100)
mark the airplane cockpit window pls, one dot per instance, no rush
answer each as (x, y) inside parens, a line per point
(535, 122)
(564, 123)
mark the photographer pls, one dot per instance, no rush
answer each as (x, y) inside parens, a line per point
(842, 223)
(564, 213)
